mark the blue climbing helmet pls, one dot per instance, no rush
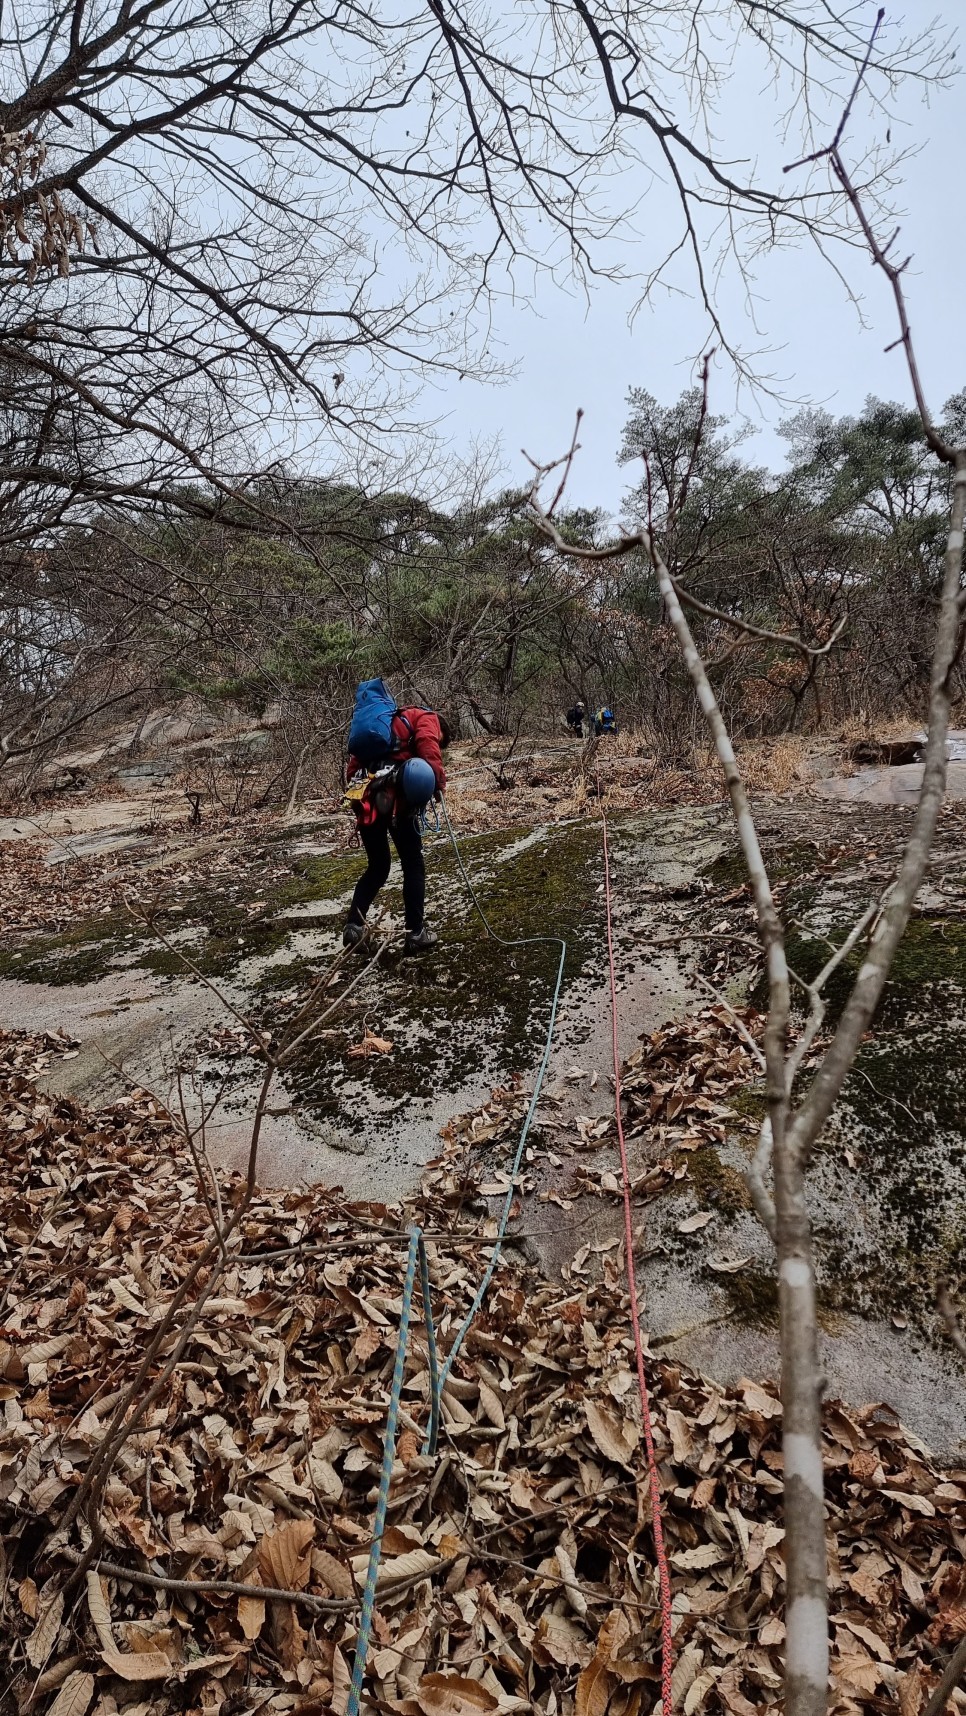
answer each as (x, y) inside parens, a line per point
(418, 783)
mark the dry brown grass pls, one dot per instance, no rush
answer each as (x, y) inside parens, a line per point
(634, 774)
(779, 764)
(858, 727)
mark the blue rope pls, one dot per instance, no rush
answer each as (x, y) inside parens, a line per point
(432, 1434)
(417, 1250)
(417, 1253)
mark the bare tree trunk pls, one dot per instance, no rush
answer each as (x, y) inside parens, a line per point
(806, 1600)
(806, 1584)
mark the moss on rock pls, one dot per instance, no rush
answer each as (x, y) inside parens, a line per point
(717, 1184)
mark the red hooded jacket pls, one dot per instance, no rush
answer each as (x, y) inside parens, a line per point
(424, 741)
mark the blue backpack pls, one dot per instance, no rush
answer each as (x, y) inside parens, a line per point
(371, 738)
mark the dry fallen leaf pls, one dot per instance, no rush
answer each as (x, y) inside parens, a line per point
(453, 1695)
(492, 1406)
(564, 1642)
(75, 1695)
(681, 1439)
(370, 1045)
(276, 1420)
(337, 1577)
(699, 1690)
(28, 1598)
(910, 1692)
(856, 1671)
(758, 1399)
(912, 1585)
(704, 1555)
(100, 1612)
(915, 1503)
(686, 1668)
(139, 1665)
(407, 1566)
(731, 1695)
(341, 1682)
(44, 1636)
(617, 1438)
(284, 1555)
(251, 1616)
(692, 1223)
(575, 1596)
(594, 1687)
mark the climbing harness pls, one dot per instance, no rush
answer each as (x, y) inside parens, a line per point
(657, 1527)
(371, 793)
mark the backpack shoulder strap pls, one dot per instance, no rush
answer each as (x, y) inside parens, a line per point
(405, 718)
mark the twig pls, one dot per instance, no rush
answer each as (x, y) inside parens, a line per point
(788, 1222)
(269, 1593)
(816, 1003)
(257, 1036)
(697, 438)
(857, 1014)
(567, 462)
(755, 1173)
(830, 148)
(25, 1253)
(952, 1675)
(292, 1043)
(736, 1019)
(784, 638)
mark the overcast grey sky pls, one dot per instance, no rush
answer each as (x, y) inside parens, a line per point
(568, 355)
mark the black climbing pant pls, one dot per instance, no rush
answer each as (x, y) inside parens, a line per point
(408, 842)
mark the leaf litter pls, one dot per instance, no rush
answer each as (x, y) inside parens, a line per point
(517, 1569)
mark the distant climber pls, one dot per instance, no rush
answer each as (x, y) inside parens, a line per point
(576, 718)
(394, 768)
(605, 721)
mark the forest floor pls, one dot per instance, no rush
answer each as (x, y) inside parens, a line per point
(130, 971)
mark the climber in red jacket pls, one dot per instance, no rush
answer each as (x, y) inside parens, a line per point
(417, 733)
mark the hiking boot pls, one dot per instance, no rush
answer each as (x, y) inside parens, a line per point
(353, 934)
(421, 941)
